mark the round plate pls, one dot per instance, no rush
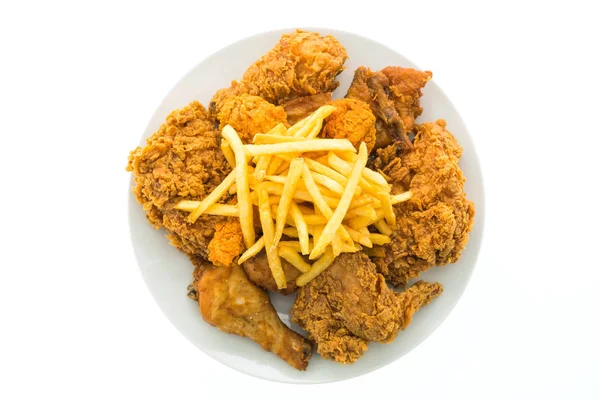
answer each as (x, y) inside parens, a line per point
(167, 272)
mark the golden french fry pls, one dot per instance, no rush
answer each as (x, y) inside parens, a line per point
(227, 210)
(363, 211)
(318, 266)
(252, 250)
(291, 256)
(213, 197)
(291, 183)
(369, 174)
(291, 131)
(399, 198)
(265, 138)
(383, 227)
(379, 239)
(232, 189)
(229, 156)
(283, 168)
(243, 189)
(266, 221)
(344, 168)
(314, 122)
(350, 248)
(336, 245)
(261, 167)
(278, 129)
(294, 245)
(316, 231)
(300, 147)
(315, 219)
(361, 222)
(358, 237)
(316, 166)
(388, 210)
(329, 183)
(335, 222)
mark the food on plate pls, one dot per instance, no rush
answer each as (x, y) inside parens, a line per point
(182, 160)
(394, 96)
(350, 305)
(301, 64)
(301, 107)
(279, 188)
(258, 271)
(249, 115)
(233, 304)
(433, 225)
(352, 120)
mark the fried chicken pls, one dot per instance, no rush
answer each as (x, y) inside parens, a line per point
(233, 304)
(352, 120)
(301, 107)
(434, 225)
(182, 160)
(227, 244)
(393, 94)
(250, 115)
(301, 64)
(259, 273)
(349, 305)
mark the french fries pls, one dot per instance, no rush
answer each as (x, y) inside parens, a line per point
(336, 219)
(287, 197)
(243, 190)
(266, 221)
(317, 194)
(213, 197)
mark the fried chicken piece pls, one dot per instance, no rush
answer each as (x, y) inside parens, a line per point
(259, 273)
(227, 244)
(349, 305)
(434, 225)
(301, 64)
(301, 107)
(393, 94)
(250, 115)
(182, 160)
(233, 304)
(352, 120)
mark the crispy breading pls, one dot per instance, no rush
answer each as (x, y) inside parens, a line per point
(301, 64)
(250, 115)
(349, 305)
(352, 120)
(226, 246)
(181, 160)
(393, 94)
(434, 225)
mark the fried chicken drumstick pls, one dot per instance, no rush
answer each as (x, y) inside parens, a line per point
(349, 305)
(229, 301)
(301, 64)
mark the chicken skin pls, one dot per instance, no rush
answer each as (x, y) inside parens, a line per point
(182, 160)
(349, 305)
(434, 225)
(259, 273)
(233, 304)
(393, 95)
(352, 120)
(250, 115)
(301, 64)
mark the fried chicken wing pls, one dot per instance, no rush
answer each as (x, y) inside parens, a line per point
(434, 225)
(259, 273)
(349, 305)
(233, 304)
(301, 64)
(352, 120)
(250, 115)
(301, 107)
(182, 160)
(393, 95)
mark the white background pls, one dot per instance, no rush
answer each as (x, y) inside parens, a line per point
(79, 82)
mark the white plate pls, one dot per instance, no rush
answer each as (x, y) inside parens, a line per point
(167, 272)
